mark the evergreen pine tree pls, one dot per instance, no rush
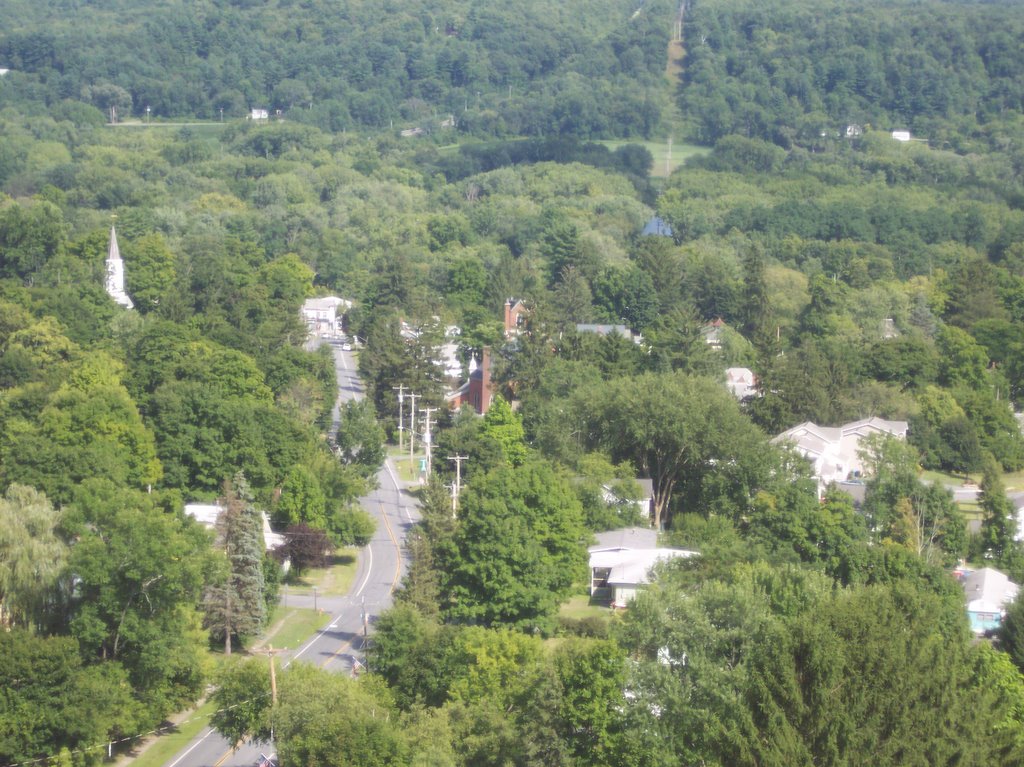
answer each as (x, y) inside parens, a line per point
(999, 528)
(236, 607)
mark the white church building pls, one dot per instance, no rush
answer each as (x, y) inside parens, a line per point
(115, 274)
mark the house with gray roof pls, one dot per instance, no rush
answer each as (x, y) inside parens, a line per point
(834, 451)
(987, 592)
(622, 561)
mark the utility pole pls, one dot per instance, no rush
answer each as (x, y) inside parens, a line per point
(455, 497)
(273, 676)
(426, 432)
(412, 426)
(458, 479)
(271, 652)
(401, 415)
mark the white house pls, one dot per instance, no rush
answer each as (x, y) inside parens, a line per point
(206, 514)
(987, 592)
(610, 494)
(1017, 499)
(901, 135)
(322, 315)
(259, 114)
(622, 560)
(741, 382)
(712, 333)
(833, 450)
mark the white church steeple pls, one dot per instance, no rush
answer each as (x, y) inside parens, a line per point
(115, 274)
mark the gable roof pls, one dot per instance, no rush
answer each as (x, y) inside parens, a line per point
(604, 330)
(988, 591)
(206, 514)
(632, 567)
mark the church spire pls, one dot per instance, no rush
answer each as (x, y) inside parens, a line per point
(115, 273)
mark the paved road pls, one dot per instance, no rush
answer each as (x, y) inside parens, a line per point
(379, 570)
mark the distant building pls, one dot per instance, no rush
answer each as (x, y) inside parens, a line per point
(259, 114)
(479, 392)
(854, 131)
(987, 592)
(4, 72)
(206, 514)
(644, 504)
(712, 333)
(608, 330)
(515, 317)
(833, 450)
(410, 132)
(115, 274)
(448, 355)
(901, 135)
(741, 382)
(622, 560)
(325, 316)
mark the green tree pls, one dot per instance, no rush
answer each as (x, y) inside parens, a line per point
(243, 700)
(324, 718)
(1011, 633)
(236, 607)
(408, 652)
(52, 701)
(90, 427)
(684, 432)
(139, 575)
(505, 428)
(32, 557)
(921, 517)
(301, 501)
(593, 677)
(677, 343)
(517, 548)
(149, 271)
(809, 702)
(360, 438)
(30, 235)
(789, 519)
(999, 526)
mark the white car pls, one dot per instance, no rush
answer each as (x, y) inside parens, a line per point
(346, 347)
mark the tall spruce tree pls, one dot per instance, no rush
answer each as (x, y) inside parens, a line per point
(235, 607)
(998, 528)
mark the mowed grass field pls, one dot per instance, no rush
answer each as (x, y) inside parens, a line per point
(664, 163)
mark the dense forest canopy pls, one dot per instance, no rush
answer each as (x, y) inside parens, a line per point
(520, 68)
(794, 72)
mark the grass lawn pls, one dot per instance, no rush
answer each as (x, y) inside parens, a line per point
(663, 165)
(579, 607)
(335, 580)
(947, 479)
(1014, 480)
(291, 626)
(160, 750)
(407, 472)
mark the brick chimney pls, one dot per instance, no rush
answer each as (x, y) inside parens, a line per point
(485, 379)
(509, 324)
